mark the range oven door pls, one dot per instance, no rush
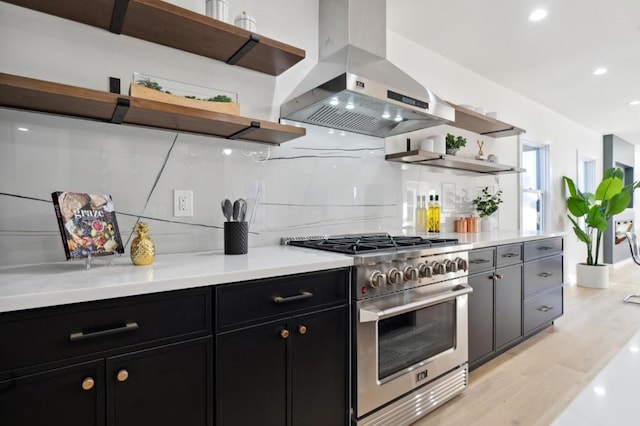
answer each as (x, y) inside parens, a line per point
(404, 340)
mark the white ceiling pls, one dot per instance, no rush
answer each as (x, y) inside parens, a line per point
(550, 61)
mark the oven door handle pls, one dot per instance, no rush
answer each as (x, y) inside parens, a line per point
(370, 315)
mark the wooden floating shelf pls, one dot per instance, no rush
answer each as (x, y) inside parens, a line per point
(435, 159)
(61, 99)
(164, 23)
(482, 124)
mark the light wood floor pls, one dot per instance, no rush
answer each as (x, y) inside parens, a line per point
(533, 382)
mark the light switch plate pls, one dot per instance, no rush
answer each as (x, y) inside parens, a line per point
(182, 202)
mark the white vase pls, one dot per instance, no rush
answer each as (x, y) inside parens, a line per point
(592, 276)
(488, 224)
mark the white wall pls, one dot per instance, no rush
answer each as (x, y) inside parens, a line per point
(300, 195)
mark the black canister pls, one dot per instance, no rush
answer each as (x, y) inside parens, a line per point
(236, 237)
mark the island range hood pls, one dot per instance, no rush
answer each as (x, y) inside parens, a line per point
(354, 87)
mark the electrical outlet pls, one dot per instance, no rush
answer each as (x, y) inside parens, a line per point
(182, 202)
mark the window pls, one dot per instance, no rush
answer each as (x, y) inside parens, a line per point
(586, 174)
(534, 185)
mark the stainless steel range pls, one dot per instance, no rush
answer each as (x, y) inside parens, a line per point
(410, 323)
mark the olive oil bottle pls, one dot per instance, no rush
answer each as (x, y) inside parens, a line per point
(425, 214)
(431, 215)
(436, 210)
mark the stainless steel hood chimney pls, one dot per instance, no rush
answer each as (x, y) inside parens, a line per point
(354, 87)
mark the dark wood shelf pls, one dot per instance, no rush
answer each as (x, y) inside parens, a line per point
(435, 159)
(61, 99)
(164, 23)
(482, 124)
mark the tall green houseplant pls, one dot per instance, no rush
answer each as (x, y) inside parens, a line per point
(591, 212)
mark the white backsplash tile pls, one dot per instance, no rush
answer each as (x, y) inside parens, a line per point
(325, 183)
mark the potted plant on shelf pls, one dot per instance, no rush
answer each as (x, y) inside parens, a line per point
(486, 204)
(590, 214)
(453, 143)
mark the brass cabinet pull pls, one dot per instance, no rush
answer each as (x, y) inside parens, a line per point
(495, 277)
(122, 375)
(545, 248)
(284, 333)
(478, 261)
(499, 276)
(545, 308)
(88, 383)
(302, 329)
(545, 274)
(510, 255)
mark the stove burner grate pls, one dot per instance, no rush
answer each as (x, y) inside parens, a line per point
(355, 244)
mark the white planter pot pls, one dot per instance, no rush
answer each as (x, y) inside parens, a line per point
(593, 276)
(488, 224)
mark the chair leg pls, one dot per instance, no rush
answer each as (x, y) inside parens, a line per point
(629, 299)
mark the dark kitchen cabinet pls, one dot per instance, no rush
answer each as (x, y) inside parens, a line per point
(543, 284)
(517, 292)
(65, 396)
(291, 367)
(495, 305)
(128, 361)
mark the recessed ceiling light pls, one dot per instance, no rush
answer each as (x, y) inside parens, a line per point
(23, 129)
(634, 103)
(537, 15)
(599, 71)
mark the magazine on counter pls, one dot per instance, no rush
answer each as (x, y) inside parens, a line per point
(87, 224)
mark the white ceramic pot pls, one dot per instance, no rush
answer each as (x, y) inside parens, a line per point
(592, 276)
(488, 224)
(245, 21)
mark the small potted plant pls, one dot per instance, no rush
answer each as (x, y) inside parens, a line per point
(590, 215)
(454, 143)
(486, 204)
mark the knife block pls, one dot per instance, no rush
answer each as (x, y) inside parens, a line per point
(236, 237)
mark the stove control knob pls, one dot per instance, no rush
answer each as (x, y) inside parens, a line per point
(394, 276)
(462, 264)
(451, 266)
(438, 268)
(411, 273)
(425, 270)
(377, 279)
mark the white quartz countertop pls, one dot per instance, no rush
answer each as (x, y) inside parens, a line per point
(610, 398)
(33, 286)
(485, 239)
(50, 284)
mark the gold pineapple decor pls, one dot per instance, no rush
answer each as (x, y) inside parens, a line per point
(143, 250)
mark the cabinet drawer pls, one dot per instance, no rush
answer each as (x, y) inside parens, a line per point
(52, 334)
(542, 308)
(542, 248)
(542, 274)
(508, 255)
(481, 260)
(249, 302)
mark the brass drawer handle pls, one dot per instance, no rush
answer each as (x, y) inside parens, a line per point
(303, 295)
(510, 255)
(122, 375)
(88, 383)
(545, 248)
(81, 335)
(545, 274)
(478, 261)
(302, 329)
(284, 333)
(545, 308)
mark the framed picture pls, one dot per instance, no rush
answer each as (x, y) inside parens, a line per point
(448, 197)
